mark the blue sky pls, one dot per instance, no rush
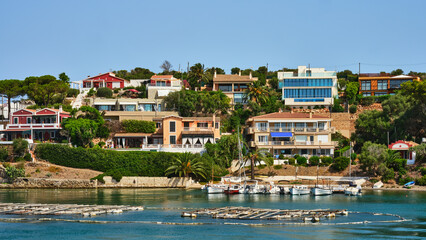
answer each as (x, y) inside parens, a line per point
(89, 37)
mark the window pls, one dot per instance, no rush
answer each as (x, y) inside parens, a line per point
(158, 124)
(397, 83)
(365, 85)
(301, 82)
(382, 84)
(15, 120)
(321, 125)
(216, 125)
(303, 151)
(173, 127)
(366, 94)
(311, 138)
(262, 126)
(52, 134)
(380, 93)
(147, 107)
(172, 139)
(202, 125)
(301, 138)
(308, 93)
(130, 108)
(28, 120)
(225, 87)
(262, 139)
(186, 124)
(239, 98)
(323, 138)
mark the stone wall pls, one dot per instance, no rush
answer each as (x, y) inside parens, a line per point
(52, 183)
(148, 182)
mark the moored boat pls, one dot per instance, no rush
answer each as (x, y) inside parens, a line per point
(299, 190)
(321, 191)
(233, 189)
(353, 191)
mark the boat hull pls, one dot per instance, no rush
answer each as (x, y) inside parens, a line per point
(321, 191)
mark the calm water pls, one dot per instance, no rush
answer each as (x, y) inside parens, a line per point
(163, 206)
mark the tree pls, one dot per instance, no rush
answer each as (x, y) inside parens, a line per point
(198, 76)
(11, 88)
(136, 73)
(42, 89)
(215, 69)
(372, 156)
(64, 78)
(257, 93)
(351, 90)
(255, 157)
(235, 70)
(186, 164)
(273, 83)
(166, 66)
(397, 72)
(370, 126)
(81, 131)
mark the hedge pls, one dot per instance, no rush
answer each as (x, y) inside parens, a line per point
(111, 162)
(104, 92)
(138, 126)
(340, 164)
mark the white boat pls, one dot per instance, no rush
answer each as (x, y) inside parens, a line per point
(299, 190)
(378, 185)
(273, 189)
(284, 190)
(216, 188)
(254, 188)
(353, 191)
(321, 191)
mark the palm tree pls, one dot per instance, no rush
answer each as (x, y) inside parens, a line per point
(185, 164)
(199, 74)
(256, 157)
(257, 93)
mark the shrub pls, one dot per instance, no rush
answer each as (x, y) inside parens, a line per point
(115, 90)
(336, 106)
(352, 109)
(389, 174)
(421, 181)
(104, 92)
(367, 101)
(19, 147)
(21, 164)
(91, 92)
(314, 161)
(101, 144)
(340, 164)
(291, 161)
(326, 161)
(138, 126)
(404, 180)
(72, 92)
(12, 173)
(353, 156)
(27, 157)
(281, 156)
(301, 161)
(64, 141)
(398, 165)
(128, 163)
(296, 156)
(276, 167)
(100, 178)
(423, 171)
(4, 154)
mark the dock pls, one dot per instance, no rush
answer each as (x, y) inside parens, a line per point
(63, 209)
(247, 213)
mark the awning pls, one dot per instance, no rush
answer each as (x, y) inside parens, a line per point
(281, 134)
(163, 93)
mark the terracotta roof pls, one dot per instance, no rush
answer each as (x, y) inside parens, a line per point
(288, 115)
(156, 77)
(132, 134)
(233, 78)
(109, 73)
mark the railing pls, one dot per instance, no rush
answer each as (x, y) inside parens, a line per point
(299, 129)
(165, 85)
(313, 74)
(33, 125)
(296, 129)
(291, 143)
(198, 129)
(311, 129)
(182, 146)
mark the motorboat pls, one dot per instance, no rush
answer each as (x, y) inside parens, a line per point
(216, 188)
(284, 190)
(299, 190)
(254, 188)
(273, 189)
(353, 191)
(233, 189)
(321, 191)
(409, 184)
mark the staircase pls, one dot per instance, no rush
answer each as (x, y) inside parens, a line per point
(78, 102)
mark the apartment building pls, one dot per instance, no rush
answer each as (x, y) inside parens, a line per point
(43, 124)
(108, 80)
(173, 134)
(308, 87)
(378, 84)
(289, 133)
(233, 85)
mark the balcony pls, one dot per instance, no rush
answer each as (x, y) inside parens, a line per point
(34, 126)
(173, 84)
(292, 143)
(253, 130)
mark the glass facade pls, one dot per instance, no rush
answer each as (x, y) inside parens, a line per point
(382, 84)
(365, 85)
(225, 87)
(397, 83)
(380, 93)
(308, 93)
(327, 82)
(239, 98)
(366, 94)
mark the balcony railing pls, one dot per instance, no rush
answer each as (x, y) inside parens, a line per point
(33, 125)
(291, 143)
(164, 85)
(197, 129)
(179, 146)
(296, 129)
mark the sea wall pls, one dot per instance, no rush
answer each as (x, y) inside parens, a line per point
(148, 182)
(138, 182)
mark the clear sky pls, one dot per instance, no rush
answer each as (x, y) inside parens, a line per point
(88, 37)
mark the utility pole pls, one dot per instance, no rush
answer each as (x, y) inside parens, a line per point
(359, 69)
(187, 69)
(350, 157)
(388, 138)
(179, 67)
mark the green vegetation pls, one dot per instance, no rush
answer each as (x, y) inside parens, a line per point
(138, 126)
(12, 173)
(186, 164)
(314, 161)
(301, 161)
(340, 163)
(4, 154)
(20, 147)
(73, 92)
(353, 108)
(104, 92)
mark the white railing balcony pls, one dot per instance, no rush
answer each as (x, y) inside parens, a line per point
(310, 129)
(299, 129)
(197, 129)
(33, 125)
(176, 146)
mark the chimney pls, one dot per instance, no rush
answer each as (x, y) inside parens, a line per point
(239, 74)
(250, 74)
(310, 114)
(215, 73)
(214, 121)
(291, 110)
(60, 108)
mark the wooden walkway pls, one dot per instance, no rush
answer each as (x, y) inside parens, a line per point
(63, 209)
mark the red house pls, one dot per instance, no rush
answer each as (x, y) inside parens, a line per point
(108, 80)
(42, 125)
